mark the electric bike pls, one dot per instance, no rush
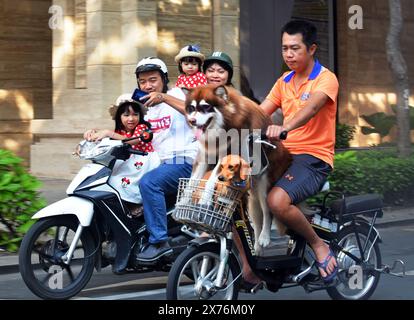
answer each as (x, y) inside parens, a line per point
(210, 267)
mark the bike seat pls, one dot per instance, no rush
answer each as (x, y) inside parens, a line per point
(366, 204)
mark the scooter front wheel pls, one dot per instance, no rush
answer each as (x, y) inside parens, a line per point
(40, 258)
(193, 275)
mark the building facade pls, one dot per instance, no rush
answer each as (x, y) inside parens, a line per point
(63, 62)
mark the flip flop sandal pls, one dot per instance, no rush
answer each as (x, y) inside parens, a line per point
(323, 265)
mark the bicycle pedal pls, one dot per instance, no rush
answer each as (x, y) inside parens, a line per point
(252, 288)
(257, 287)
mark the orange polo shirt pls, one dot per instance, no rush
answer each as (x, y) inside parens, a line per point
(317, 136)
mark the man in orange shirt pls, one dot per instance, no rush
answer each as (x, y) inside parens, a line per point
(307, 96)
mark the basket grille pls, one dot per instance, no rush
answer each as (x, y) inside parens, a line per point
(206, 208)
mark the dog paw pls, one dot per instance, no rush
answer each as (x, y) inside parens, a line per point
(264, 239)
(258, 249)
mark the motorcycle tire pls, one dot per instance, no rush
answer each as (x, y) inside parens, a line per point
(187, 269)
(39, 260)
(357, 283)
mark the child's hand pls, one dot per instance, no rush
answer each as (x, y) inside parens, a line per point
(99, 135)
(89, 134)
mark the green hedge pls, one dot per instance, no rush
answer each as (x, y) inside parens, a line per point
(19, 200)
(382, 172)
(344, 134)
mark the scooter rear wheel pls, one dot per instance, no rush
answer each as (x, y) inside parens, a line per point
(40, 254)
(187, 281)
(356, 281)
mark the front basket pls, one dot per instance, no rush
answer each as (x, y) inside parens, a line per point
(206, 206)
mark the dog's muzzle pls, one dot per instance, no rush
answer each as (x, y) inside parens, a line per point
(200, 129)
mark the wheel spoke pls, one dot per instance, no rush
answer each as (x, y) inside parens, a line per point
(56, 240)
(212, 273)
(70, 273)
(194, 269)
(79, 247)
(46, 278)
(44, 256)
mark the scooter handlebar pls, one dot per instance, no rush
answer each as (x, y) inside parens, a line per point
(282, 136)
(145, 136)
(140, 153)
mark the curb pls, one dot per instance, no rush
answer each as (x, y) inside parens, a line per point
(9, 263)
(9, 269)
(387, 224)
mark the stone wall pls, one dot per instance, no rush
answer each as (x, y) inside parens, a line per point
(25, 71)
(94, 59)
(366, 82)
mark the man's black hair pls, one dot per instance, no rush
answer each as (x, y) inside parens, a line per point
(305, 28)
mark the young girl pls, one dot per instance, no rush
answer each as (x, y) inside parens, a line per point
(189, 63)
(129, 122)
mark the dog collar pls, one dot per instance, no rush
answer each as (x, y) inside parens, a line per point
(240, 184)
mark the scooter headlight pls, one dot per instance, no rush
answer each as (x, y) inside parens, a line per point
(96, 152)
(89, 150)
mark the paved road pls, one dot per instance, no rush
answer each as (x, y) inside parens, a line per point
(397, 244)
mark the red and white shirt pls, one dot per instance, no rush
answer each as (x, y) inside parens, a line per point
(196, 80)
(173, 137)
(141, 146)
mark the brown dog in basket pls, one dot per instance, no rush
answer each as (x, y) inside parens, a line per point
(233, 171)
(219, 189)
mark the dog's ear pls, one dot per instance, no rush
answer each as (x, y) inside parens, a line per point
(221, 92)
(245, 169)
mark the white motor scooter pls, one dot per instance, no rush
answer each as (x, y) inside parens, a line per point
(92, 227)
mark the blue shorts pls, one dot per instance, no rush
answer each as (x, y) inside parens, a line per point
(304, 178)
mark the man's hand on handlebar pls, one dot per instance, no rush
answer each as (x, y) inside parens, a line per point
(276, 133)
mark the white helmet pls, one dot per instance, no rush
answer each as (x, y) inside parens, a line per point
(126, 97)
(151, 64)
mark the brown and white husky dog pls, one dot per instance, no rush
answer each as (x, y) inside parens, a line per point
(212, 111)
